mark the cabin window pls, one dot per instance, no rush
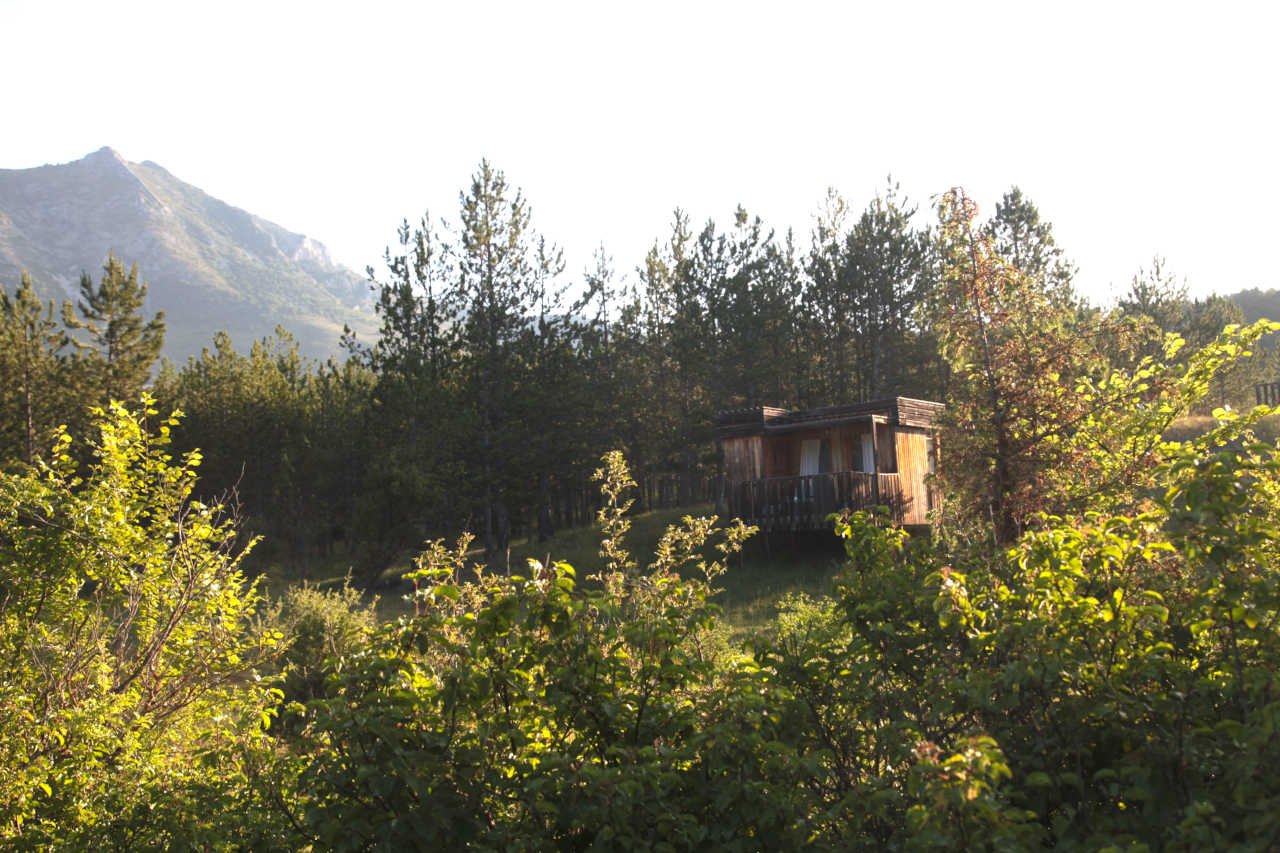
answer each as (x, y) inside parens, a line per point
(817, 456)
(810, 457)
(868, 453)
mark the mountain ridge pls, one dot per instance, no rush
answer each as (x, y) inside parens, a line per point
(210, 266)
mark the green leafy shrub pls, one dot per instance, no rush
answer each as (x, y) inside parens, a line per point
(129, 707)
(316, 625)
(889, 759)
(539, 712)
(1110, 680)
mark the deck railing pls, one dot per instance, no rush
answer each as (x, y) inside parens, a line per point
(803, 503)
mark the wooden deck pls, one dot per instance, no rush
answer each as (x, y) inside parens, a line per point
(803, 503)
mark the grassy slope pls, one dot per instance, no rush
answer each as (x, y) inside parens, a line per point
(749, 591)
(1185, 429)
(756, 579)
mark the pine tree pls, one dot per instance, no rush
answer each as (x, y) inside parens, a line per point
(503, 272)
(413, 486)
(867, 283)
(31, 368)
(1026, 241)
(122, 345)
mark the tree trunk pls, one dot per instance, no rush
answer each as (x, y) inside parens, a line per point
(687, 462)
(545, 529)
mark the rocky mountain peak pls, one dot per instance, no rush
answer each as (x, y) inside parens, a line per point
(210, 266)
(105, 163)
(105, 154)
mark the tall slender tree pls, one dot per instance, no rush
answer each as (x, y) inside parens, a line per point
(123, 345)
(830, 330)
(867, 284)
(1015, 352)
(33, 392)
(1026, 241)
(413, 485)
(503, 272)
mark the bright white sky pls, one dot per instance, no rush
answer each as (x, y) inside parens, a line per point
(1136, 128)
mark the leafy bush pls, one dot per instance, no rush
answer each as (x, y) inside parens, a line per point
(129, 708)
(532, 711)
(1111, 680)
(316, 625)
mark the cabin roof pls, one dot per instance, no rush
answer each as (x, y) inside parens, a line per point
(771, 420)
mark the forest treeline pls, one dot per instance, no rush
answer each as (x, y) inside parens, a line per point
(498, 379)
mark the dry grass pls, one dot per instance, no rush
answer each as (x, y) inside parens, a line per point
(1185, 429)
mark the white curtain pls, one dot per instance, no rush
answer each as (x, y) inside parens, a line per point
(810, 454)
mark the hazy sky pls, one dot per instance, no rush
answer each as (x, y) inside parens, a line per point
(1136, 128)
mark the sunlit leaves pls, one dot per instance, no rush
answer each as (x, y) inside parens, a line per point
(124, 624)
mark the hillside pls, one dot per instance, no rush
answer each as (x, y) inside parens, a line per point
(1257, 304)
(210, 266)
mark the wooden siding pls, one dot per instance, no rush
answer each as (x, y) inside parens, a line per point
(781, 456)
(850, 447)
(755, 457)
(913, 466)
(887, 451)
(918, 413)
(744, 457)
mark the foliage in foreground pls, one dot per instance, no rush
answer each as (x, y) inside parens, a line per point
(128, 706)
(1109, 680)
(537, 710)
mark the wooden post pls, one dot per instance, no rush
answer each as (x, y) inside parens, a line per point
(875, 464)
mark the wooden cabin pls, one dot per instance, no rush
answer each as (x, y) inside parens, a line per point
(789, 470)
